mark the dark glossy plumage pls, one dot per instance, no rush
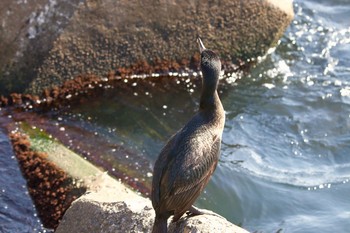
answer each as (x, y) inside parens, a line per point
(189, 158)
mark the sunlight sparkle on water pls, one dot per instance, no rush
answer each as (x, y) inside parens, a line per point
(269, 85)
(321, 186)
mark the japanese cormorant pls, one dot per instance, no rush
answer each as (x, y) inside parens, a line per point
(187, 161)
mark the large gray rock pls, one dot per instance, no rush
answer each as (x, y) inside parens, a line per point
(110, 207)
(49, 41)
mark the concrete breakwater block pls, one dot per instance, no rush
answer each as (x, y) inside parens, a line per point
(44, 42)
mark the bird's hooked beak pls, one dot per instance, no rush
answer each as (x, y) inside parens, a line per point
(201, 45)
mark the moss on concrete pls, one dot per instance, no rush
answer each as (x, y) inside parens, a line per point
(64, 158)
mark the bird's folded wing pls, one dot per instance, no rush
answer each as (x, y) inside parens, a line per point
(202, 163)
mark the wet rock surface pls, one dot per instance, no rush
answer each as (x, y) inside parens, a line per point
(55, 175)
(59, 40)
(61, 142)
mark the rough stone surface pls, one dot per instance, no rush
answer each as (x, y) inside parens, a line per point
(47, 41)
(111, 207)
(207, 223)
(27, 30)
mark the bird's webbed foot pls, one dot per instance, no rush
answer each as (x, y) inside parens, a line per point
(193, 211)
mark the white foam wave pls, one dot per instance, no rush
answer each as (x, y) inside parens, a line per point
(345, 91)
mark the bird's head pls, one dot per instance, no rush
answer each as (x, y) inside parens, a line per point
(210, 64)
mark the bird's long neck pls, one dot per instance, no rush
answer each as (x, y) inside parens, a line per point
(210, 100)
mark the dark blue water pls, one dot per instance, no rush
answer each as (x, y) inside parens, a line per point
(17, 213)
(285, 163)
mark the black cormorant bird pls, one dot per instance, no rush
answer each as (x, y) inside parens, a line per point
(187, 161)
